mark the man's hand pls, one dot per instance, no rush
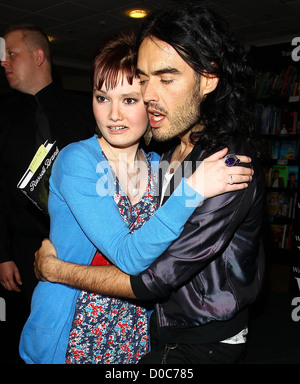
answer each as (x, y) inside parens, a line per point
(45, 259)
(107, 280)
(10, 277)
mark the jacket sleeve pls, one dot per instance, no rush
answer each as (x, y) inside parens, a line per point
(87, 188)
(206, 235)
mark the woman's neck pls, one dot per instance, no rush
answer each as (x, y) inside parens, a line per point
(130, 166)
(125, 154)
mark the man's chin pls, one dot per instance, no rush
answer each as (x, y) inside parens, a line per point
(158, 135)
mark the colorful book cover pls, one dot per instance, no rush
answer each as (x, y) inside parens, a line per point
(292, 181)
(275, 149)
(288, 150)
(279, 176)
(273, 201)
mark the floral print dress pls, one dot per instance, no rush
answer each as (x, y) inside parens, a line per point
(107, 330)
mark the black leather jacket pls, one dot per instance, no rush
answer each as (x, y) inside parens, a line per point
(214, 270)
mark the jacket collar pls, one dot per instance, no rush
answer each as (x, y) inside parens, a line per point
(186, 168)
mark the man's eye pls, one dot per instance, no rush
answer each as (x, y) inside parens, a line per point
(166, 81)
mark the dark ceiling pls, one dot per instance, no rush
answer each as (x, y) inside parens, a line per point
(78, 25)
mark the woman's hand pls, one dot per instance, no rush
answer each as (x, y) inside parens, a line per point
(213, 177)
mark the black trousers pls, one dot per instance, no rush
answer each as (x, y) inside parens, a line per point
(181, 353)
(212, 353)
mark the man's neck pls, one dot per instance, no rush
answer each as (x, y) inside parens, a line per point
(182, 151)
(42, 85)
(184, 148)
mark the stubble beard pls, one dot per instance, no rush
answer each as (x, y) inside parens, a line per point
(184, 119)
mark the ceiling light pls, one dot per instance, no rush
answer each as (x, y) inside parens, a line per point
(137, 13)
(51, 38)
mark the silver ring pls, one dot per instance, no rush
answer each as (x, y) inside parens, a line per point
(230, 181)
(230, 160)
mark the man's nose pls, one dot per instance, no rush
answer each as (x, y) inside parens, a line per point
(4, 63)
(149, 92)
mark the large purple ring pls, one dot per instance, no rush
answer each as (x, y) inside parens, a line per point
(231, 160)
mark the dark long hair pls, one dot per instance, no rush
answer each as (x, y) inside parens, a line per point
(203, 41)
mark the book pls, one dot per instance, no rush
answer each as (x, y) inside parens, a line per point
(280, 205)
(284, 83)
(269, 120)
(262, 84)
(279, 236)
(273, 202)
(35, 181)
(288, 122)
(267, 175)
(288, 150)
(275, 235)
(266, 118)
(292, 181)
(279, 176)
(275, 148)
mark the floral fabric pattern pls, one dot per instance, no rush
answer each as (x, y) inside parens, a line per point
(107, 330)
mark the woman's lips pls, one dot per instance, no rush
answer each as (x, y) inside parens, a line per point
(117, 128)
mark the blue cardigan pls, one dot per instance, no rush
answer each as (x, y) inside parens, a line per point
(84, 217)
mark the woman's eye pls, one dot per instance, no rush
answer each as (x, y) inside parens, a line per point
(130, 100)
(100, 98)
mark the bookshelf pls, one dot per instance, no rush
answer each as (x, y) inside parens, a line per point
(278, 112)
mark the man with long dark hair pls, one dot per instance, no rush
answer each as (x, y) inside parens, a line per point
(196, 85)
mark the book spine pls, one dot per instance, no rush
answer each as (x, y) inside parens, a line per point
(33, 201)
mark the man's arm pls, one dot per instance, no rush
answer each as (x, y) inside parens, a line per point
(107, 280)
(206, 235)
(82, 191)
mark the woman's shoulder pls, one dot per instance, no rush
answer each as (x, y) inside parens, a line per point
(80, 149)
(79, 154)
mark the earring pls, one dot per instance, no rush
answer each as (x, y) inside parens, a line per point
(148, 135)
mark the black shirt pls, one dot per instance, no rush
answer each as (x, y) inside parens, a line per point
(70, 119)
